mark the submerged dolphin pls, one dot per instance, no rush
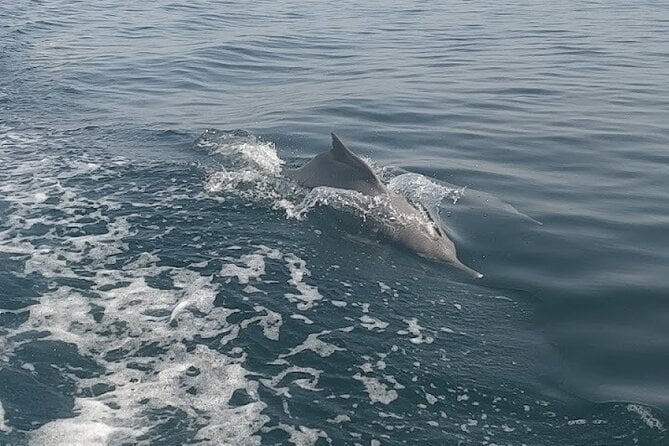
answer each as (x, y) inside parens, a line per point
(340, 168)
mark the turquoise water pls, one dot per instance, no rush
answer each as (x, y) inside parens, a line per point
(162, 282)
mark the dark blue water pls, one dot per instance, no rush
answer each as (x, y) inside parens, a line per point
(162, 283)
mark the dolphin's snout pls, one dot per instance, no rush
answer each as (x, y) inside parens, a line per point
(472, 272)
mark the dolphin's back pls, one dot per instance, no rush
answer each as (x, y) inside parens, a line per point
(338, 168)
(342, 169)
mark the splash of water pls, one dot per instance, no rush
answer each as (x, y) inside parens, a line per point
(250, 169)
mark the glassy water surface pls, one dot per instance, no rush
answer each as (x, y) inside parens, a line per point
(163, 283)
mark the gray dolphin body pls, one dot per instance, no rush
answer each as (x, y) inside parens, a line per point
(418, 231)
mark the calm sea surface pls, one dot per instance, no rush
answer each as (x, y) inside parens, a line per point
(161, 283)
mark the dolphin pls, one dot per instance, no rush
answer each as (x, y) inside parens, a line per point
(414, 229)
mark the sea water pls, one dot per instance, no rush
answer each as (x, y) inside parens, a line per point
(162, 283)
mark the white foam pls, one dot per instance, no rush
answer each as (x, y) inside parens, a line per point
(415, 330)
(431, 399)
(48, 263)
(384, 288)
(199, 294)
(316, 345)
(40, 197)
(646, 416)
(579, 422)
(65, 316)
(3, 425)
(136, 308)
(309, 384)
(301, 317)
(270, 323)
(341, 418)
(137, 334)
(302, 435)
(90, 428)
(227, 181)
(251, 168)
(262, 154)
(242, 147)
(378, 207)
(371, 323)
(255, 267)
(378, 392)
(307, 294)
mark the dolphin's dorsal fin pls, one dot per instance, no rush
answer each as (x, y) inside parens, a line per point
(339, 150)
(344, 155)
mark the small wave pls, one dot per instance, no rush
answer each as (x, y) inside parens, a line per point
(646, 416)
(251, 169)
(339, 199)
(3, 426)
(242, 149)
(418, 188)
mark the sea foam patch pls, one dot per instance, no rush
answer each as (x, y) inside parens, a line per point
(3, 426)
(646, 416)
(239, 146)
(103, 299)
(199, 382)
